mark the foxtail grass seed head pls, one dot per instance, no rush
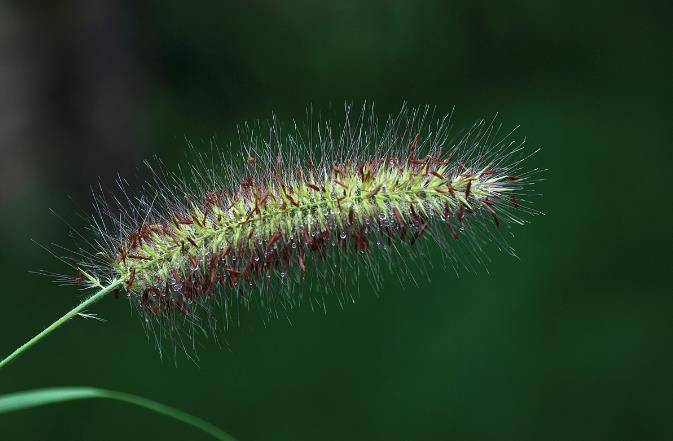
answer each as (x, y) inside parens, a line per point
(321, 204)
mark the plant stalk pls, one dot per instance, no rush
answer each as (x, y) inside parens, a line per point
(67, 316)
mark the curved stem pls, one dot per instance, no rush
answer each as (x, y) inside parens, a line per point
(67, 316)
(41, 397)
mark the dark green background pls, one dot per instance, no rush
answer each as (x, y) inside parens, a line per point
(572, 341)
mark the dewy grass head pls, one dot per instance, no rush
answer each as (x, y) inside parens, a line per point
(323, 199)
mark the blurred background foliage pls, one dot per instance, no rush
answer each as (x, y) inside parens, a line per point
(571, 341)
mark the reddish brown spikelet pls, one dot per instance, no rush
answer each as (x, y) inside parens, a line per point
(487, 205)
(265, 196)
(279, 160)
(138, 257)
(419, 233)
(276, 236)
(344, 186)
(397, 215)
(375, 191)
(196, 220)
(181, 307)
(452, 191)
(179, 221)
(311, 167)
(366, 176)
(412, 148)
(213, 270)
(361, 242)
(122, 253)
(338, 171)
(205, 214)
(454, 232)
(291, 199)
(132, 278)
(403, 232)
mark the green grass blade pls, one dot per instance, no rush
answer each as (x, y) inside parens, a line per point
(41, 397)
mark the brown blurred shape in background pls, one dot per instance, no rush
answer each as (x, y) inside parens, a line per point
(71, 98)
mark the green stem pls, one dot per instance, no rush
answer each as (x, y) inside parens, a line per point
(41, 397)
(70, 314)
